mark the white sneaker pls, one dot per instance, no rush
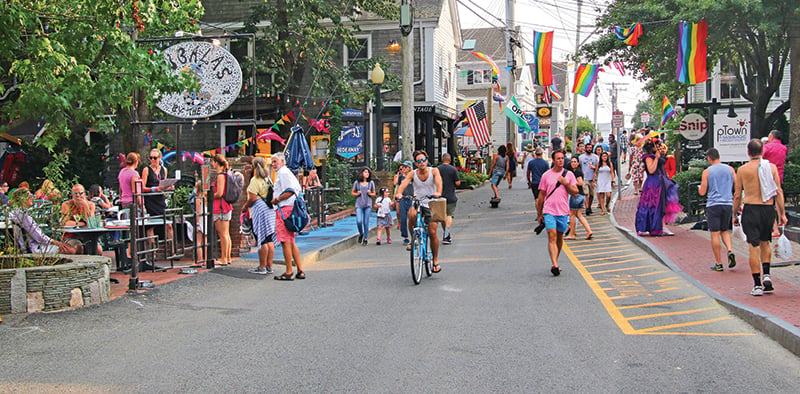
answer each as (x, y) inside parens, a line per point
(258, 271)
(767, 282)
(757, 291)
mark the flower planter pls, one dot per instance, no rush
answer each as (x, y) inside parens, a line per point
(80, 280)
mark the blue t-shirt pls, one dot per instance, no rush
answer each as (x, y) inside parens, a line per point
(363, 200)
(586, 161)
(720, 185)
(537, 167)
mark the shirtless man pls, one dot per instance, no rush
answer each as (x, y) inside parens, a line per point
(757, 215)
(427, 182)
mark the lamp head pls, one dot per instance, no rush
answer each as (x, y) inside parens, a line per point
(731, 112)
(377, 74)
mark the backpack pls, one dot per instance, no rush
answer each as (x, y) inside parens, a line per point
(298, 219)
(234, 185)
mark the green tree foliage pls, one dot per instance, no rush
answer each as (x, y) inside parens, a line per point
(750, 35)
(75, 61)
(303, 40)
(584, 124)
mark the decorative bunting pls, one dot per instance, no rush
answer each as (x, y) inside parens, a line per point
(585, 78)
(619, 66)
(542, 55)
(666, 111)
(691, 68)
(630, 35)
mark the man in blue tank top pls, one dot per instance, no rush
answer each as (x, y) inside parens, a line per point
(717, 182)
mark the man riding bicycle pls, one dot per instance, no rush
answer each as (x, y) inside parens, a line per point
(427, 182)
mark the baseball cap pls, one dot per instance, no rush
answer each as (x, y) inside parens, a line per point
(408, 163)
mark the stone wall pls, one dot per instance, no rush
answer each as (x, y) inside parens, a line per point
(84, 281)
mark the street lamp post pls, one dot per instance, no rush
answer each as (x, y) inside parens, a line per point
(377, 79)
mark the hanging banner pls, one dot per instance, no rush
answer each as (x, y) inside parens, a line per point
(731, 136)
(217, 71)
(350, 143)
(533, 122)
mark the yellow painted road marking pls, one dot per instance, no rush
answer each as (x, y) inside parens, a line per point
(614, 262)
(604, 251)
(677, 313)
(660, 303)
(627, 281)
(606, 258)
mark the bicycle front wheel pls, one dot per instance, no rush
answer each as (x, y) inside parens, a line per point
(428, 258)
(416, 256)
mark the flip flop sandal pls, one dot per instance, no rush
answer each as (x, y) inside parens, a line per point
(436, 269)
(588, 237)
(284, 277)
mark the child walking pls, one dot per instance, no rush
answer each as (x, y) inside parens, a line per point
(384, 205)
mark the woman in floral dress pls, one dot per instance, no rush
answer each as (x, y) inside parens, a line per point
(636, 168)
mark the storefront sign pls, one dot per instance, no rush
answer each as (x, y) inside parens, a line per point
(350, 143)
(731, 136)
(533, 122)
(319, 148)
(544, 123)
(219, 75)
(352, 113)
(693, 127)
(424, 108)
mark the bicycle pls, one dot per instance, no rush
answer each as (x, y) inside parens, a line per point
(420, 254)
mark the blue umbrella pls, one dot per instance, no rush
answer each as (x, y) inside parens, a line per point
(297, 152)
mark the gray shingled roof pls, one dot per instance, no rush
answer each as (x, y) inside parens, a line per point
(490, 41)
(233, 11)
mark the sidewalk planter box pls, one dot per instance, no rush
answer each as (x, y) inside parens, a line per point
(81, 280)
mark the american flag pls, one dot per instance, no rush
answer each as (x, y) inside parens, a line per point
(476, 115)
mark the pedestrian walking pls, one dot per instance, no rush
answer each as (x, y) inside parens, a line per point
(760, 182)
(576, 202)
(623, 145)
(511, 153)
(286, 187)
(775, 151)
(552, 206)
(498, 169)
(427, 182)
(259, 201)
(589, 166)
(527, 155)
(364, 191)
(605, 182)
(450, 180)
(404, 203)
(717, 181)
(222, 209)
(636, 166)
(534, 171)
(658, 204)
(384, 206)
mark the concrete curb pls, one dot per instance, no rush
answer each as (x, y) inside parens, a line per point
(786, 334)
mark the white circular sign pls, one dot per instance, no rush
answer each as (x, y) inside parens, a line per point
(693, 127)
(219, 75)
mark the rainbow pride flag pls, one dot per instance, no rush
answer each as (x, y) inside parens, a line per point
(691, 68)
(488, 59)
(543, 58)
(585, 78)
(630, 35)
(666, 111)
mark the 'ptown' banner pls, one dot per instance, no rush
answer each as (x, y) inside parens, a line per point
(731, 136)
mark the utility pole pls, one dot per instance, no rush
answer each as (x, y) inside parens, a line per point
(510, 66)
(407, 102)
(596, 93)
(575, 95)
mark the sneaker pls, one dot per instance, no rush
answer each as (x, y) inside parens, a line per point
(406, 241)
(717, 267)
(731, 259)
(270, 271)
(757, 291)
(588, 211)
(555, 271)
(378, 243)
(767, 282)
(364, 243)
(447, 241)
(258, 271)
(360, 239)
(389, 241)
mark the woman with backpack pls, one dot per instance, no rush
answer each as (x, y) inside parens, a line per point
(222, 210)
(262, 213)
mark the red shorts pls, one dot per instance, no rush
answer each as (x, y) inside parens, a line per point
(281, 233)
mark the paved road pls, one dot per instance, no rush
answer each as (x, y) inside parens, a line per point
(494, 320)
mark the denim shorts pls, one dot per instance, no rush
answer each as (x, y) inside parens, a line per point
(560, 223)
(497, 177)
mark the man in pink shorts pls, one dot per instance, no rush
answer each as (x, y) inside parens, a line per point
(286, 187)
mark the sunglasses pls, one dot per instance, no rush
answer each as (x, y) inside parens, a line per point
(422, 160)
(78, 193)
(154, 157)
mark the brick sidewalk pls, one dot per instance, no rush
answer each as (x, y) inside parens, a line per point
(690, 251)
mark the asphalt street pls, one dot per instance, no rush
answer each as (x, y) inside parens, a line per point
(494, 320)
